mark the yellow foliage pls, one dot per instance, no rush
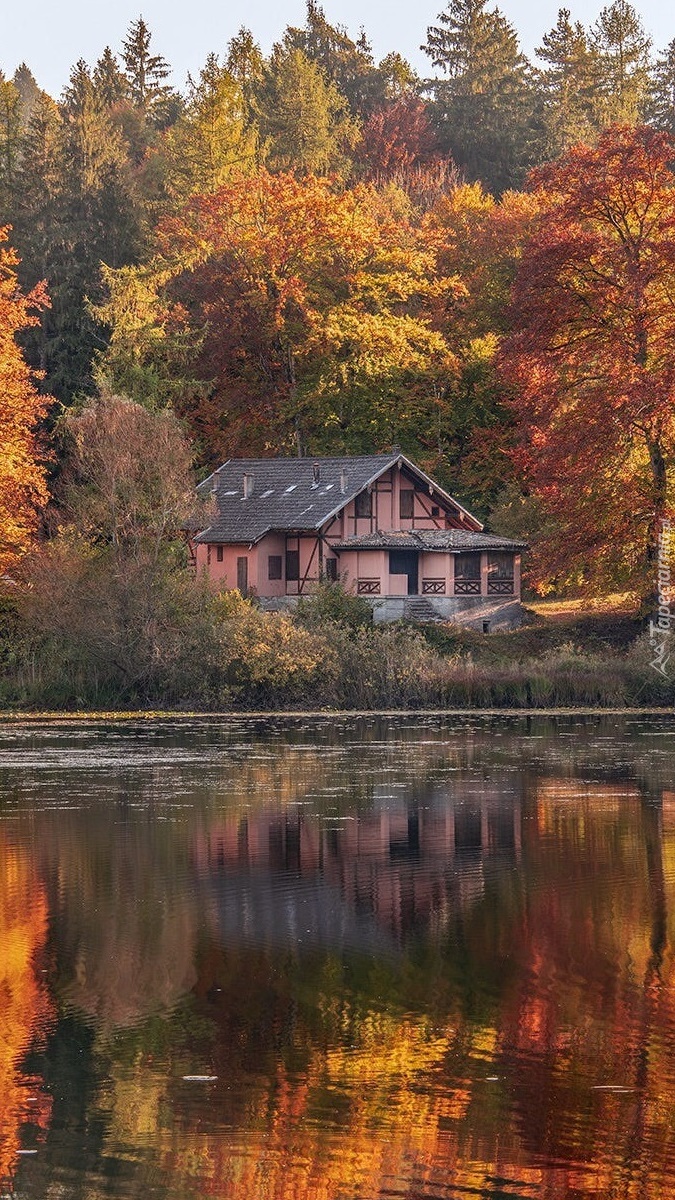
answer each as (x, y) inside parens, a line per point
(270, 648)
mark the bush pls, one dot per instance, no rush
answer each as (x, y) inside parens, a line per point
(331, 603)
(270, 659)
(96, 629)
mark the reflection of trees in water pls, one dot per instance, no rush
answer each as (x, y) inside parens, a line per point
(342, 1072)
(25, 1011)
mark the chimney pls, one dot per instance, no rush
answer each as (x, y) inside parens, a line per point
(248, 486)
(343, 481)
(316, 474)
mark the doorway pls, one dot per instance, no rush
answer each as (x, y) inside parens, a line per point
(242, 575)
(406, 562)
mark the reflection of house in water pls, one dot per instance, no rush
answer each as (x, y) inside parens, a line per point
(290, 876)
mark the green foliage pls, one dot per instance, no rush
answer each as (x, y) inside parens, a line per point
(331, 603)
(568, 85)
(304, 120)
(623, 49)
(484, 109)
(97, 630)
(213, 138)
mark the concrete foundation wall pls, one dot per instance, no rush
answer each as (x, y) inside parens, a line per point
(469, 611)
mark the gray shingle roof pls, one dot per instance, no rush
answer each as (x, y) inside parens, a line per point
(429, 539)
(285, 495)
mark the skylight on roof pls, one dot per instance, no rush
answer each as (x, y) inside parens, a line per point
(328, 487)
(230, 493)
(290, 489)
(267, 493)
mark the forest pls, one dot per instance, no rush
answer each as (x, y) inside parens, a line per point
(314, 252)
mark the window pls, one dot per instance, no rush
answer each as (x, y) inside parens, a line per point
(363, 505)
(467, 566)
(292, 565)
(435, 510)
(500, 565)
(219, 553)
(331, 570)
(500, 573)
(274, 566)
(467, 575)
(406, 503)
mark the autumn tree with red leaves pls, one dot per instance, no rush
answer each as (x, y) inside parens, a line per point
(591, 358)
(396, 137)
(22, 476)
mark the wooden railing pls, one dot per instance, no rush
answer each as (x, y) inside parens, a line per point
(467, 587)
(500, 587)
(433, 587)
(368, 587)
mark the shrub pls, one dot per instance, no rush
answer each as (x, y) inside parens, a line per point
(331, 603)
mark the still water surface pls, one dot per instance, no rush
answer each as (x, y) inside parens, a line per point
(411, 958)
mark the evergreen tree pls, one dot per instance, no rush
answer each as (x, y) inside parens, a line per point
(146, 73)
(349, 66)
(661, 103)
(623, 49)
(567, 85)
(213, 138)
(10, 145)
(74, 210)
(30, 93)
(484, 110)
(304, 120)
(110, 83)
(245, 61)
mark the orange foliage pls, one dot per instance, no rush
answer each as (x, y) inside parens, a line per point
(319, 309)
(22, 478)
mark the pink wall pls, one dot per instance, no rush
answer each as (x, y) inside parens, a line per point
(273, 543)
(224, 573)
(353, 565)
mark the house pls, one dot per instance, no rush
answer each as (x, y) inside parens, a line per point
(378, 523)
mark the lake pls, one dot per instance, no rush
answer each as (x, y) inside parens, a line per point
(413, 957)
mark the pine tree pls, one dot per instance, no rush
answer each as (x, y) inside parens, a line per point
(347, 64)
(623, 49)
(213, 138)
(245, 61)
(10, 146)
(661, 103)
(110, 83)
(26, 85)
(304, 119)
(73, 211)
(567, 85)
(146, 73)
(484, 110)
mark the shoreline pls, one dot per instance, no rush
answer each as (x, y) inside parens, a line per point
(103, 715)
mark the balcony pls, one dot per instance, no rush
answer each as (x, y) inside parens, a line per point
(368, 587)
(433, 587)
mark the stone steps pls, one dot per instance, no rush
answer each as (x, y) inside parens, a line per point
(417, 608)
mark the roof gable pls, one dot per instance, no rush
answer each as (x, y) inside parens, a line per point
(296, 493)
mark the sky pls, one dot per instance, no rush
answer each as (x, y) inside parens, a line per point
(51, 35)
